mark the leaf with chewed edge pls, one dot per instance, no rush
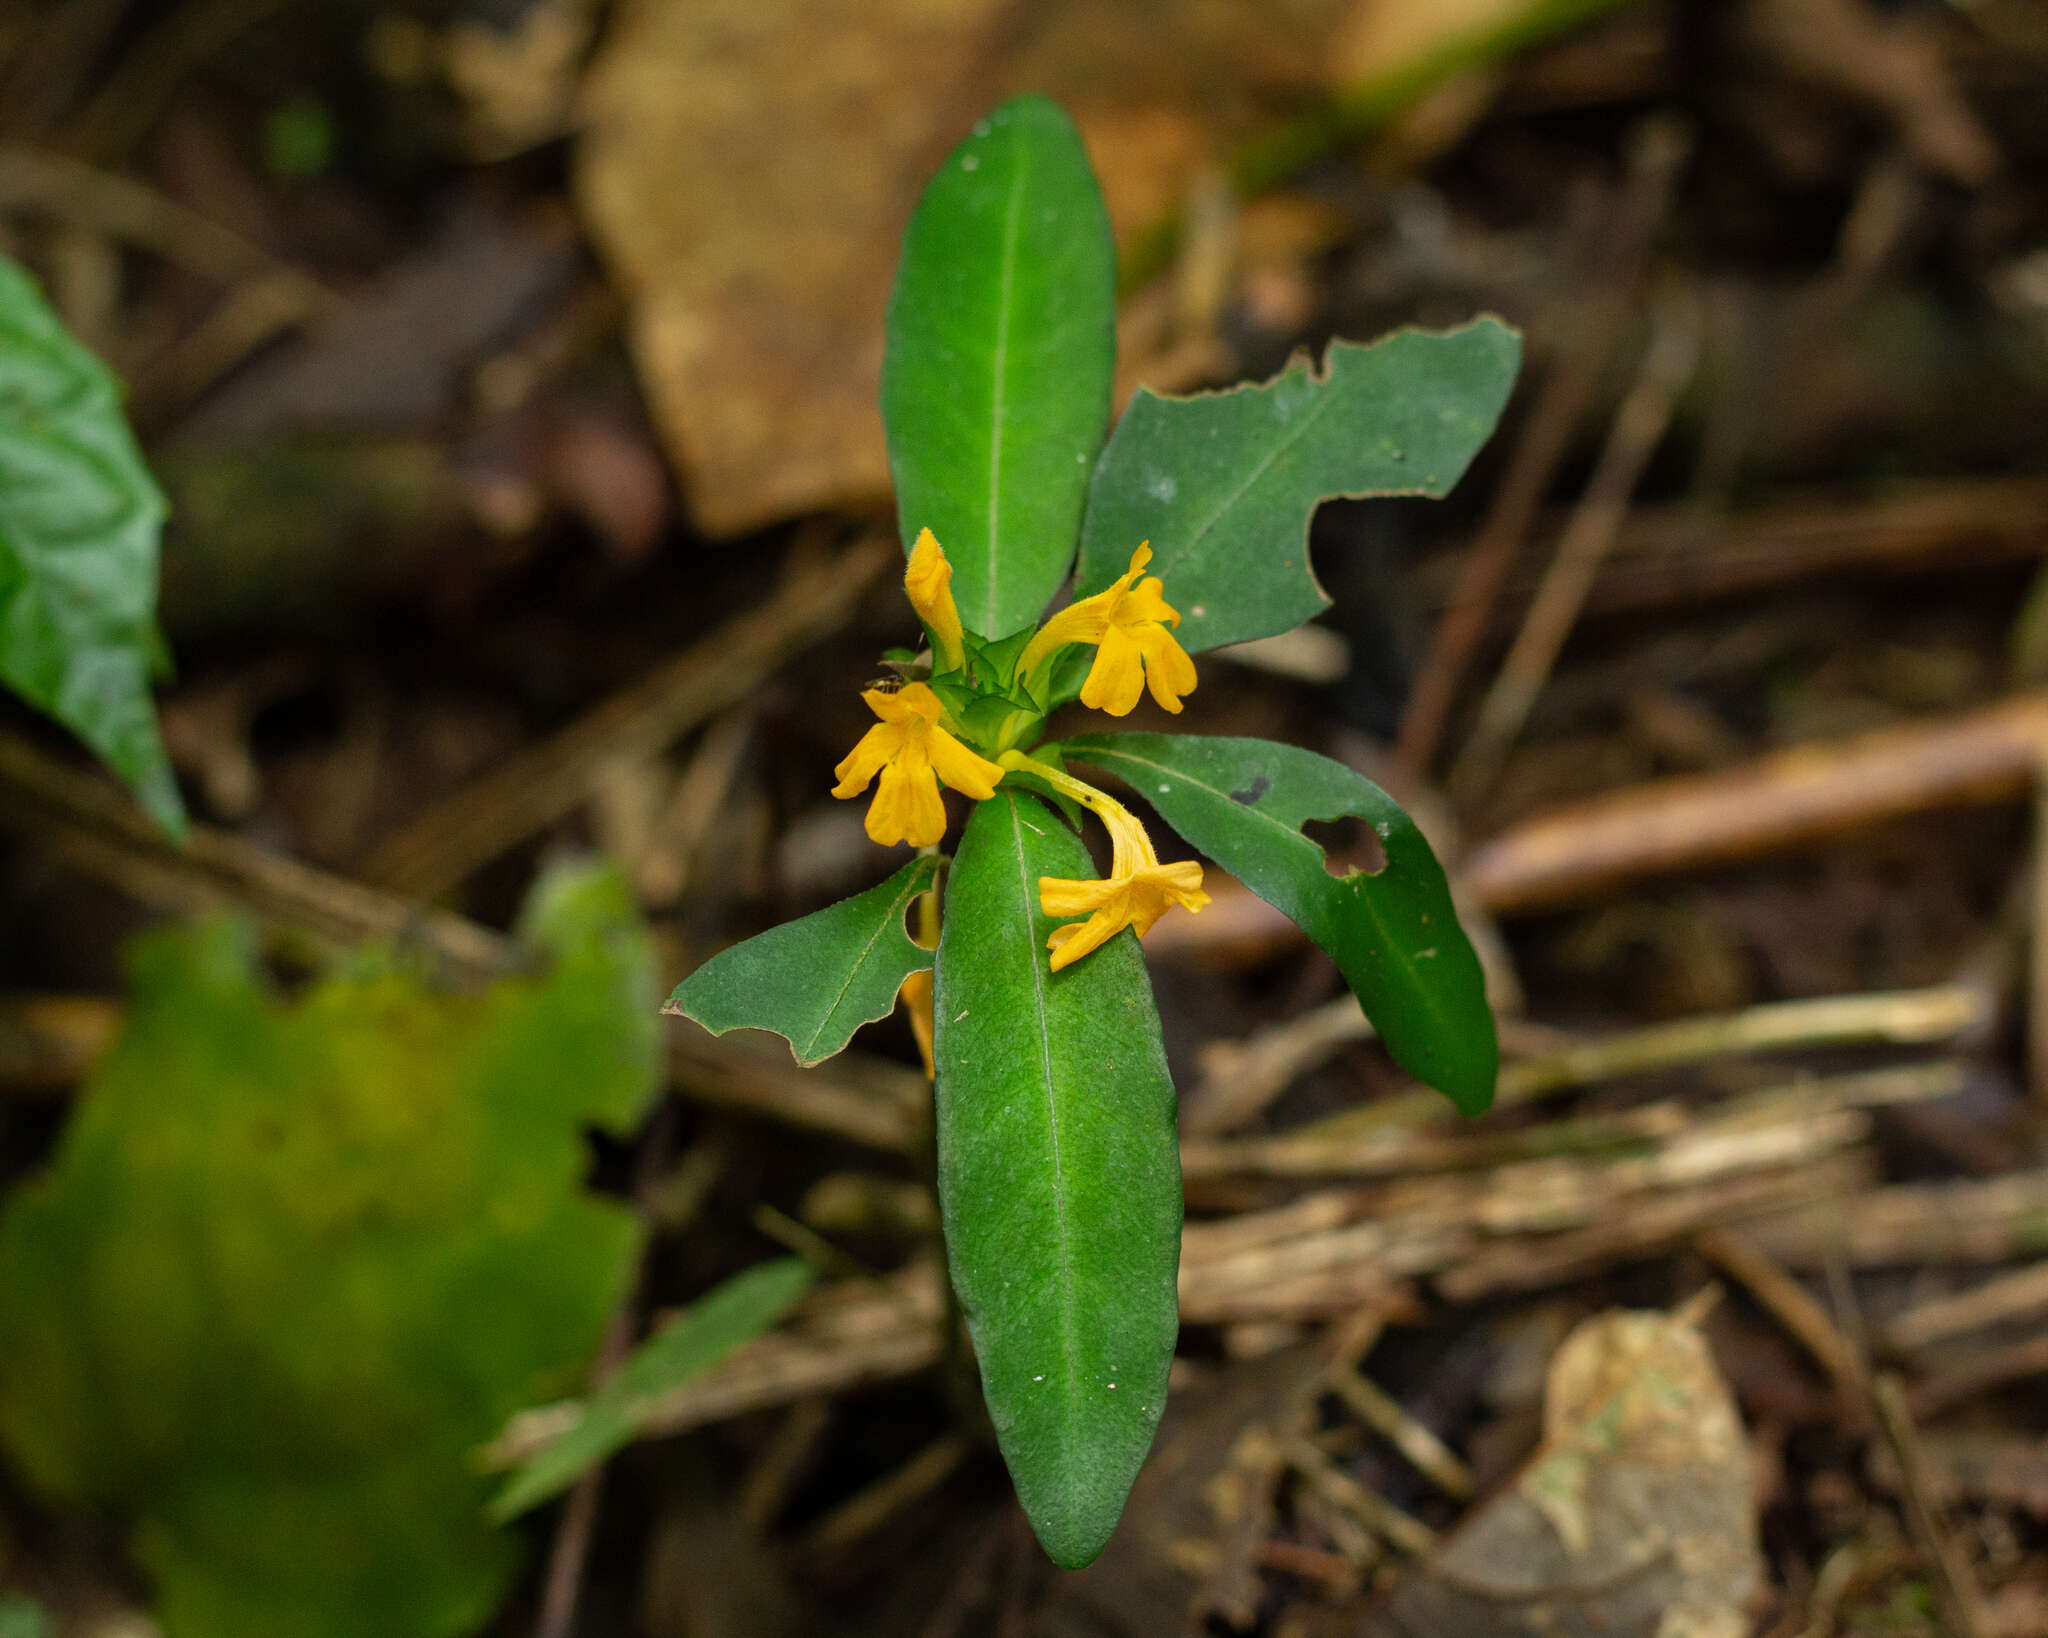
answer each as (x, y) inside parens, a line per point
(1394, 934)
(1224, 484)
(816, 980)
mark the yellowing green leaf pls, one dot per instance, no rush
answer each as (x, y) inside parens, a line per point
(295, 1260)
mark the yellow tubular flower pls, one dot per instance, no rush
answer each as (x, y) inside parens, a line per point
(1134, 650)
(1134, 900)
(929, 581)
(912, 753)
(1138, 891)
(916, 996)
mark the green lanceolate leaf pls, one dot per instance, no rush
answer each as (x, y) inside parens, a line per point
(1001, 342)
(79, 521)
(1059, 1178)
(1224, 484)
(1395, 935)
(699, 1337)
(816, 980)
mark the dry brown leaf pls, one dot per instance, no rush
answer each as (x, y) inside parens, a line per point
(748, 166)
(1633, 1517)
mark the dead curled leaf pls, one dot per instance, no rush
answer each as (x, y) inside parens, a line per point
(1633, 1517)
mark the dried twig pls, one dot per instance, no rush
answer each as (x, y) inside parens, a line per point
(1965, 1605)
(2020, 1295)
(1993, 1368)
(1776, 802)
(1660, 562)
(1788, 1302)
(1544, 438)
(550, 778)
(32, 179)
(867, 1510)
(93, 826)
(1398, 1529)
(1384, 1414)
(875, 1102)
(1639, 427)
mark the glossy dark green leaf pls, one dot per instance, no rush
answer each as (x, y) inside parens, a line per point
(1001, 343)
(79, 521)
(1394, 935)
(816, 980)
(699, 1337)
(1224, 484)
(1059, 1178)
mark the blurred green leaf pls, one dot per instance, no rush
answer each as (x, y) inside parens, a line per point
(996, 374)
(295, 1260)
(816, 980)
(1059, 1178)
(299, 139)
(24, 1618)
(79, 522)
(1224, 484)
(1394, 935)
(699, 1337)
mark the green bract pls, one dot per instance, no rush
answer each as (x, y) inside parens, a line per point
(1057, 1162)
(79, 521)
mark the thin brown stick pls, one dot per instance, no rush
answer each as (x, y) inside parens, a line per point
(135, 95)
(2020, 1295)
(1542, 444)
(1777, 802)
(51, 184)
(571, 1549)
(92, 825)
(1398, 1529)
(1639, 427)
(1658, 561)
(867, 1510)
(872, 1101)
(2037, 958)
(1958, 1589)
(1941, 1012)
(1789, 1303)
(1386, 1416)
(549, 779)
(1993, 1368)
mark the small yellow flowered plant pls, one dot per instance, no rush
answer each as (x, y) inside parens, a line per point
(924, 738)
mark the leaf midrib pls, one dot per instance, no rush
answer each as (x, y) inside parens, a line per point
(1065, 1262)
(1319, 404)
(999, 372)
(891, 918)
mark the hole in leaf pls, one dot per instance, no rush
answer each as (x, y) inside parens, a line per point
(1350, 848)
